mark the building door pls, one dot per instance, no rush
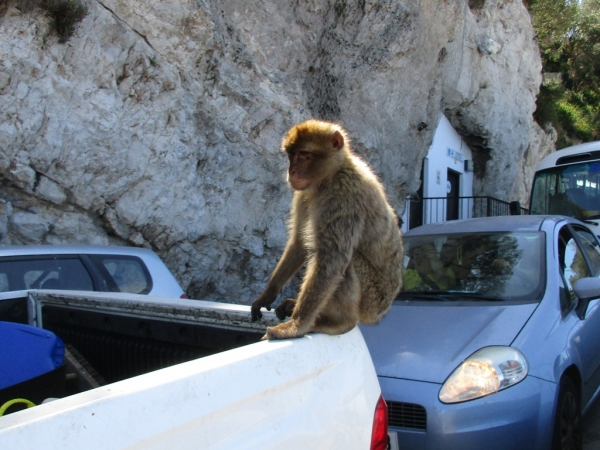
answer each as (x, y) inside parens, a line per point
(452, 195)
(415, 217)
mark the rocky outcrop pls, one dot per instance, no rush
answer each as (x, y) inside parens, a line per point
(158, 123)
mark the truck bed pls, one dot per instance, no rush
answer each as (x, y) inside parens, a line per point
(314, 392)
(118, 336)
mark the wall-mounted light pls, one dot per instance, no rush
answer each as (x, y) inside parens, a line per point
(468, 165)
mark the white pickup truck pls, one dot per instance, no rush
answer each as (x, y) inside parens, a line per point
(232, 392)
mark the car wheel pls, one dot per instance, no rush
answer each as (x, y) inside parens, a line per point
(568, 432)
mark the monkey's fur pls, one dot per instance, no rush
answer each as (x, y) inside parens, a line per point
(345, 231)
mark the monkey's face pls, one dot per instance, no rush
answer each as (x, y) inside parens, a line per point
(301, 172)
(315, 151)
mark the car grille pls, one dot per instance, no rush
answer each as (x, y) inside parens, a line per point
(407, 415)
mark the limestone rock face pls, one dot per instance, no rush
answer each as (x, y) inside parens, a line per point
(158, 123)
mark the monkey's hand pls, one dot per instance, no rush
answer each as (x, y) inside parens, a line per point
(286, 308)
(265, 299)
(284, 330)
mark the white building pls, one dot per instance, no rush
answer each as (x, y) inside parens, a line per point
(446, 191)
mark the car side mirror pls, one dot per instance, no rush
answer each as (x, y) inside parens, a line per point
(586, 289)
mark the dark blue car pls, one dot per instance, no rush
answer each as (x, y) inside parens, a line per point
(494, 341)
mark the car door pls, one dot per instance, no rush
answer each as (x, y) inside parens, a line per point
(579, 255)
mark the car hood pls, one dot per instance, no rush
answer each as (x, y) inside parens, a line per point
(427, 341)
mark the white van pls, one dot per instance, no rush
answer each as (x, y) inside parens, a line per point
(567, 182)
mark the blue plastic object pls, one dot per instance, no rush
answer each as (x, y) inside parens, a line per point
(27, 352)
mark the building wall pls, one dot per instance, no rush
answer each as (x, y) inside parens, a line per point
(447, 151)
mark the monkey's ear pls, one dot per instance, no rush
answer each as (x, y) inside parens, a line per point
(337, 140)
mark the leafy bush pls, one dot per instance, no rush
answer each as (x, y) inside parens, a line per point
(568, 34)
(550, 93)
(574, 120)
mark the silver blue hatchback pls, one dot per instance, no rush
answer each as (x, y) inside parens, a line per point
(494, 341)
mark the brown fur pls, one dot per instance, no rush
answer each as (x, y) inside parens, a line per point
(343, 228)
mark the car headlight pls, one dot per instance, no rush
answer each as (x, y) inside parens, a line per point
(486, 371)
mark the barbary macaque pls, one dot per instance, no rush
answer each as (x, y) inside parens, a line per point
(343, 228)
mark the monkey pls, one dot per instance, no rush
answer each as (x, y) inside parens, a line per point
(345, 231)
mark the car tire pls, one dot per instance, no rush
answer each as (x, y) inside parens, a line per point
(568, 429)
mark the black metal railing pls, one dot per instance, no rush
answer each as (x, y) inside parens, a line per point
(439, 209)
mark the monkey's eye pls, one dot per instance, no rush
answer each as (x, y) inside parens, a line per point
(301, 157)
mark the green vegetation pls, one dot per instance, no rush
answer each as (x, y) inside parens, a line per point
(64, 14)
(568, 34)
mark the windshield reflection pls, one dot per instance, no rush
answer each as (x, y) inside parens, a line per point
(480, 266)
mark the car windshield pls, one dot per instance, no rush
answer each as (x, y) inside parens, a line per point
(474, 266)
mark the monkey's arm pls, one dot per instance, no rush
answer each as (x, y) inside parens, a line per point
(291, 261)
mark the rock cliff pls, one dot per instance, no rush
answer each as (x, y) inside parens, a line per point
(158, 123)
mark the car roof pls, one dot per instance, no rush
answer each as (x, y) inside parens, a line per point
(483, 224)
(72, 249)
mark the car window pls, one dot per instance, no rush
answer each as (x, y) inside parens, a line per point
(590, 246)
(39, 272)
(571, 261)
(129, 273)
(574, 263)
(503, 266)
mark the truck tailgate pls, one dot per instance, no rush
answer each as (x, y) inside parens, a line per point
(295, 394)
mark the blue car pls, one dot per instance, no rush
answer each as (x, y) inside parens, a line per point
(494, 340)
